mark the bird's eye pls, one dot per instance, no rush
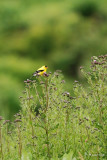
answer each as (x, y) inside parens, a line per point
(45, 66)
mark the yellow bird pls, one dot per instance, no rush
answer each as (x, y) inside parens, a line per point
(40, 71)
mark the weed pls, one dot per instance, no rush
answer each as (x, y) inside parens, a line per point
(53, 124)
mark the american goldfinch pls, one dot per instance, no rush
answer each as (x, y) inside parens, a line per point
(40, 71)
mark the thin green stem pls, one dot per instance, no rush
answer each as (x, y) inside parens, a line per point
(19, 141)
(46, 119)
(30, 112)
(7, 140)
(1, 148)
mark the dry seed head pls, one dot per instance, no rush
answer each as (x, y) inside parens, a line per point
(77, 108)
(45, 74)
(65, 101)
(81, 67)
(71, 97)
(99, 56)
(34, 81)
(53, 84)
(27, 81)
(96, 129)
(64, 106)
(29, 98)
(76, 81)
(24, 92)
(17, 114)
(6, 121)
(58, 71)
(56, 74)
(34, 137)
(89, 73)
(95, 62)
(63, 81)
(1, 118)
(41, 82)
(105, 55)
(66, 94)
(20, 97)
(18, 120)
(55, 88)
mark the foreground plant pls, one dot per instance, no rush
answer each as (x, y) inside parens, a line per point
(54, 125)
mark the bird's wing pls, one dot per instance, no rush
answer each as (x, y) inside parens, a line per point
(42, 68)
(38, 71)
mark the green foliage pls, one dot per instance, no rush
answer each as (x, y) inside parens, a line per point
(42, 43)
(46, 28)
(10, 20)
(55, 125)
(87, 8)
(9, 102)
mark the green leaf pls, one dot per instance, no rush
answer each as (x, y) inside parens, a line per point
(68, 156)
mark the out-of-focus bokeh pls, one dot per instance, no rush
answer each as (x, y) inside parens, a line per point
(62, 34)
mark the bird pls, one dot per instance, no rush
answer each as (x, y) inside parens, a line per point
(40, 71)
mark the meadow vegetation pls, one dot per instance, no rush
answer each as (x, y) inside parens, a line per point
(58, 33)
(56, 125)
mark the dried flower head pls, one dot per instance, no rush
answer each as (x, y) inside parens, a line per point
(27, 81)
(1, 118)
(18, 120)
(81, 67)
(6, 121)
(45, 74)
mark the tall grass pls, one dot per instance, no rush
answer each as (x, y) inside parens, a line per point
(53, 124)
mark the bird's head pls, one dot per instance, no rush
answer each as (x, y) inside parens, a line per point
(46, 67)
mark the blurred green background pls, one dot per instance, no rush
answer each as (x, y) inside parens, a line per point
(62, 34)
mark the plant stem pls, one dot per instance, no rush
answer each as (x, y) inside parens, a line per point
(7, 140)
(37, 94)
(47, 139)
(30, 113)
(46, 119)
(19, 142)
(66, 127)
(1, 149)
(46, 86)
